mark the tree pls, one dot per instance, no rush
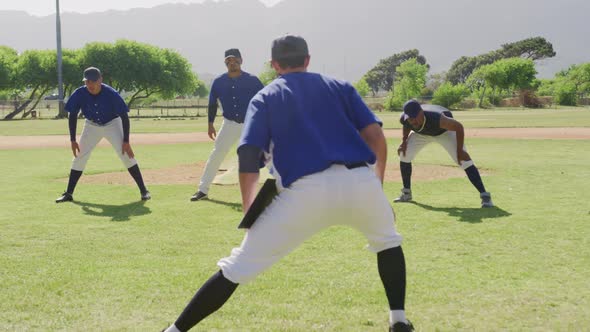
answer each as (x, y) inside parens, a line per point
(362, 87)
(141, 69)
(536, 48)
(8, 58)
(513, 73)
(201, 90)
(448, 94)
(383, 74)
(34, 76)
(410, 80)
(268, 74)
(531, 48)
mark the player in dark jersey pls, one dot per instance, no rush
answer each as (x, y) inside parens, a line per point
(106, 116)
(325, 120)
(423, 124)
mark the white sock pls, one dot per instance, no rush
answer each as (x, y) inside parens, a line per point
(397, 316)
(172, 328)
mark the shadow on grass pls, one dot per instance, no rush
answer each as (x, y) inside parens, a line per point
(115, 212)
(234, 206)
(470, 215)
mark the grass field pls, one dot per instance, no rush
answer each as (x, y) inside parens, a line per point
(497, 118)
(111, 263)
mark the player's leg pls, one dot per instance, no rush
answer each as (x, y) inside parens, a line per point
(415, 143)
(91, 135)
(294, 215)
(229, 133)
(449, 141)
(370, 212)
(114, 134)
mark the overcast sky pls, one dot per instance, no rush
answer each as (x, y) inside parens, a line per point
(47, 7)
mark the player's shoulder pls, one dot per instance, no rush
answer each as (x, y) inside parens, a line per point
(109, 89)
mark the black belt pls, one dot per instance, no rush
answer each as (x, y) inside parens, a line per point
(356, 165)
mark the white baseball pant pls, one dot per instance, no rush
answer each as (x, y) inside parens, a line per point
(92, 134)
(335, 196)
(228, 135)
(447, 139)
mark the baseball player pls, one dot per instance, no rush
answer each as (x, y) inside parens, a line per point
(423, 124)
(234, 89)
(322, 139)
(106, 116)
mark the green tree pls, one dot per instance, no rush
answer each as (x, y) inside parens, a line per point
(410, 80)
(383, 75)
(35, 75)
(201, 90)
(513, 73)
(536, 48)
(8, 58)
(448, 95)
(268, 74)
(142, 70)
(362, 87)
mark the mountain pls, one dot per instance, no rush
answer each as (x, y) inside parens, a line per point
(346, 37)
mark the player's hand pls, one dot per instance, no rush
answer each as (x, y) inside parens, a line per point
(127, 149)
(212, 133)
(462, 155)
(75, 148)
(402, 148)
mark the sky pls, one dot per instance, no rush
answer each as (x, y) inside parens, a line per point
(47, 7)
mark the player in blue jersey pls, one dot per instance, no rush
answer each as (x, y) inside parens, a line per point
(329, 155)
(234, 90)
(106, 116)
(423, 124)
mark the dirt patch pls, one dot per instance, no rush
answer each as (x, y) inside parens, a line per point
(32, 142)
(191, 174)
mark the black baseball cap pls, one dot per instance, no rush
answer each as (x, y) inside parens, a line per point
(411, 109)
(289, 47)
(233, 53)
(91, 74)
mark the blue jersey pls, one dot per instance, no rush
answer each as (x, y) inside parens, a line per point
(234, 95)
(308, 122)
(100, 109)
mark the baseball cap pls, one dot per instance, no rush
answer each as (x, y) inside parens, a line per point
(289, 47)
(411, 109)
(91, 74)
(233, 53)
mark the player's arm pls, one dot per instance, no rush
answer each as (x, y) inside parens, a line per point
(456, 126)
(404, 144)
(212, 111)
(375, 139)
(72, 124)
(126, 127)
(249, 163)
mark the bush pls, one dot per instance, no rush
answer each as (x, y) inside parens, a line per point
(448, 94)
(566, 94)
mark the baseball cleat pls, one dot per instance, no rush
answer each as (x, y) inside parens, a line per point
(486, 200)
(146, 196)
(401, 327)
(65, 197)
(406, 196)
(198, 196)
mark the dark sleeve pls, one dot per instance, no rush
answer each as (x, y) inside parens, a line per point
(249, 157)
(72, 123)
(212, 112)
(126, 125)
(212, 108)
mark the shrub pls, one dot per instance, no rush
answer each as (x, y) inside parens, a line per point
(448, 95)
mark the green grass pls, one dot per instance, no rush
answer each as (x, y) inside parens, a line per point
(497, 118)
(110, 263)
